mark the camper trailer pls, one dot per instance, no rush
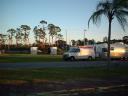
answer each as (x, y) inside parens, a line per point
(80, 52)
(117, 50)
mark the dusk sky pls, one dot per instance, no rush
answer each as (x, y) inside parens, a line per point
(70, 15)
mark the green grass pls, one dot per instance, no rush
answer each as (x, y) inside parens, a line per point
(35, 76)
(28, 58)
(60, 73)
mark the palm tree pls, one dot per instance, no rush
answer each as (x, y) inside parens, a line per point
(111, 9)
(25, 29)
(11, 33)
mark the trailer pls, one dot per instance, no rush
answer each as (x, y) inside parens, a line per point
(117, 50)
(80, 52)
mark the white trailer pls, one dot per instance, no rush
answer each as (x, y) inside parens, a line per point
(53, 50)
(100, 50)
(34, 50)
(80, 52)
(117, 50)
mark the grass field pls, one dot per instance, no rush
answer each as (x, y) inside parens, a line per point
(28, 58)
(36, 82)
(8, 75)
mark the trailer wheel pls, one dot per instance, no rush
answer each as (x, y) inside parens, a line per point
(72, 58)
(90, 58)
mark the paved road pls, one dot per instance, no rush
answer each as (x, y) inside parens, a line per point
(59, 64)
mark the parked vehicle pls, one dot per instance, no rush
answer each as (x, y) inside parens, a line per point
(80, 52)
(117, 50)
(101, 50)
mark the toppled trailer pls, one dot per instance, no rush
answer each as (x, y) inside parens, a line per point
(117, 50)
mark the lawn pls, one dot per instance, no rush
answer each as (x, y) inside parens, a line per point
(28, 58)
(37, 82)
(60, 73)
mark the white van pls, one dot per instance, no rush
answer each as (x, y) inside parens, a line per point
(80, 52)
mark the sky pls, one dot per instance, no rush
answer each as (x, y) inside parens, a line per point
(70, 15)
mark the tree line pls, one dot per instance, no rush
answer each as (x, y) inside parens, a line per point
(86, 41)
(21, 36)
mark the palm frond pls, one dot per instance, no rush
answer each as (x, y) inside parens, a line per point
(96, 17)
(122, 20)
(111, 8)
(123, 12)
(120, 4)
(106, 4)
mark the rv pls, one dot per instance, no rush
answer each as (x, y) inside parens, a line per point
(80, 52)
(117, 50)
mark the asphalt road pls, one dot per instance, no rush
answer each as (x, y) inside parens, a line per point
(60, 64)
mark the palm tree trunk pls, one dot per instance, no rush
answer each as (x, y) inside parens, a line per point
(109, 40)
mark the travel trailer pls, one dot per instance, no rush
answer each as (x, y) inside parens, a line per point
(100, 50)
(80, 52)
(117, 50)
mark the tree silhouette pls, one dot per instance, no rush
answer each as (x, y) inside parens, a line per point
(91, 42)
(53, 31)
(3, 38)
(36, 34)
(11, 33)
(43, 31)
(73, 42)
(25, 30)
(125, 39)
(43, 22)
(58, 37)
(105, 39)
(39, 35)
(18, 36)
